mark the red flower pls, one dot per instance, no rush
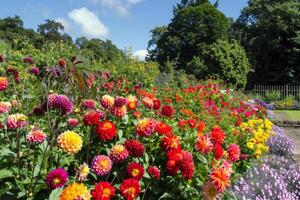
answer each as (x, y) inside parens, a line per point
(234, 152)
(106, 130)
(192, 123)
(62, 63)
(218, 151)
(135, 170)
(163, 128)
(137, 114)
(170, 142)
(186, 165)
(204, 144)
(130, 189)
(91, 118)
(217, 135)
(167, 111)
(201, 127)
(154, 172)
(156, 104)
(172, 168)
(135, 148)
(103, 191)
(220, 178)
(182, 124)
(145, 127)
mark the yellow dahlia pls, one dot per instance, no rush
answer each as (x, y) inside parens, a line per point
(75, 191)
(70, 142)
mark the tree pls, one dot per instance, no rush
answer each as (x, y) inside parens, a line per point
(194, 25)
(51, 30)
(268, 29)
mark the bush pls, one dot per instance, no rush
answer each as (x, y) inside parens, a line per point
(287, 103)
(272, 96)
(224, 60)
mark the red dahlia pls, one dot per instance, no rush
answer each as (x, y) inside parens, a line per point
(217, 135)
(186, 165)
(106, 130)
(103, 191)
(135, 148)
(218, 150)
(154, 172)
(234, 152)
(156, 104)
(91, 118)
(167, 111)
(130, 189)
(192, 123)
(135, 170)
(163, 128)
(170, 142)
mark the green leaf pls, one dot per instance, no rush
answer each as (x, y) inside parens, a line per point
(54, 195)
(4, 173)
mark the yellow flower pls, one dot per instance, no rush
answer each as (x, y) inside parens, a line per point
(250, 145)
(75, 191)
(69, 142)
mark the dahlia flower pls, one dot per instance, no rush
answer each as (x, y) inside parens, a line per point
(70, 142)
(218, 151)
(118, 111)
(106, 130)
(5, 107)
(36, 136)
(75, 191)
(56, 178)
(148, 102)
(234, 152)
(103, 191)
(60, 102)
(16, 121)
(170, 142)
(210, 192)
(3, 83)
(107, 101)
(93, 117)
(145, 127)
(154, 172)
(135, 148)
(130, 189)
(220, 179)
(135, 170)
(34, 70)
(120, 102)
(186, 165)
(62, 63)
(167, 111)
(118, 153)
(89, 104)
(73, 122)
(204, 144)
(217, 135)
(163, 128)
(101, 165)
(132, 102)
(82, 172)
(156, 104)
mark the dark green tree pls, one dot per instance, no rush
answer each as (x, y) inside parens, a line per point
(195, 24)
(269, 30)
(52, 30)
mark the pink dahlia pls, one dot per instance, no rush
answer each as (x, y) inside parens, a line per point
(60, 102)
(101, 165)
(118, 111)
(16, 121)
(73, 122)
(5, 107)
(107, 101)
(34, 70)
(120, 101)
(89, 104)
(234, 152)
(56, 178)
(118, 153)
(36, 136)
(3, 83)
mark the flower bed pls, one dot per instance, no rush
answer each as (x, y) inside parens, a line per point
(73, 136)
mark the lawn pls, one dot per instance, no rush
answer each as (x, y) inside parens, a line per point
(290, 114)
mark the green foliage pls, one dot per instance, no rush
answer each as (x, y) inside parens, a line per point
(287, 103)
(272, 96)
(192, 28)
(269, 31)
(224, 60)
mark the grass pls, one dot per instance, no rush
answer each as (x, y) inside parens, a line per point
(291, 114)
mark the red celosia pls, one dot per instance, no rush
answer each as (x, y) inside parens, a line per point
(154, 172)
(103, 191)
(217, 135)
(167, 111)
(135, 148)
(204, 144)
(218, 150)
(130, 189)
(163, 128)
(106, 130)
(91, 118)
(234, 152)
(170, 142)
(135, 170)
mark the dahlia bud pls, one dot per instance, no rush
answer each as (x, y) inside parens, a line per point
(62, 63)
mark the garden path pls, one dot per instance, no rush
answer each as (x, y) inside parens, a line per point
(294, 134)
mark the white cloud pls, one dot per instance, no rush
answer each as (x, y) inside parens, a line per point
(140, 55)
(88, 22)
(65, 23)
(120, 7)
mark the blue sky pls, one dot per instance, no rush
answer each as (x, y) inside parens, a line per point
(126, 22)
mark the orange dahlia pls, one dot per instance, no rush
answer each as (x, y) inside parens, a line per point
(75, 191)
(145, 127)
(132, 102)
(220, 178)
(70, 142)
